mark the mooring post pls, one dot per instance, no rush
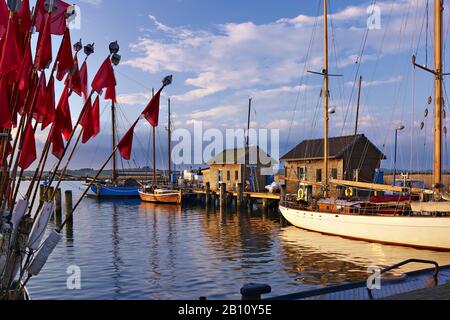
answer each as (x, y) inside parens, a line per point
(283, 193)
(265, 203)
(69, 207)
(254, 291)
(58, 206)
(239, 196)
(223, 195)
(41, 194)
(208, 194)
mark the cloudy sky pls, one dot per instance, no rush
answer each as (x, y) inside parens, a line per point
(221, 53)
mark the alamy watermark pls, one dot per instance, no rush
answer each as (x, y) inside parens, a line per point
(374, 19)
(74, 279)
(197, 147)
(374, 280)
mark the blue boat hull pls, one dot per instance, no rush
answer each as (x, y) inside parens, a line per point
(114, 192)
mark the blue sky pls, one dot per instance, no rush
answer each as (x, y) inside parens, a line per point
(223, 52)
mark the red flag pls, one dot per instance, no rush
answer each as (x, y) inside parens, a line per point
(65, 59)
(96, 118)
(63, 116)
(44, 47)
(23, 75)
(28, 152)
(151, 113)
(10, 55)
(9, 149)
(27, 96)
(58, 20)
(25, 17)
(4, 16)
(111, 94)
(5, 113)
(57, 140)
(91, 121)
(41, 101)
(84, 80)
(86, 122)
(105, 77)
(74, 80)
(126, 144)
(50, 113)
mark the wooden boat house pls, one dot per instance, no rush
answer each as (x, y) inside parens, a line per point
(350, 158)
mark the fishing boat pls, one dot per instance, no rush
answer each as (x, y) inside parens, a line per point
(422, 224)
(153, 193)
(114, 187)
(150, 194)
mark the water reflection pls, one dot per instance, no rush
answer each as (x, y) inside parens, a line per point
(314, 259)
(133, 250)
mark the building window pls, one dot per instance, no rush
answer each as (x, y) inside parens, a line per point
(334, 173)
(228, 175)
(319, 175)
(236, 175)
(301, 173)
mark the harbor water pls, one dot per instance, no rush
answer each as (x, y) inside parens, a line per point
(125, 249)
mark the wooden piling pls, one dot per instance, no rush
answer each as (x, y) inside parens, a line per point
(223, 195)
(69, 207)
(41, 194)
(265, 203)
(58, 206)
(208, 194)
(239, 196)
(283, 193)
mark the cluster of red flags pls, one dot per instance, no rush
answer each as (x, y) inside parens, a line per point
(24, 89)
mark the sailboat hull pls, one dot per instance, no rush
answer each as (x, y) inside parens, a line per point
(114, 192)
(170, 198)
(421, 232)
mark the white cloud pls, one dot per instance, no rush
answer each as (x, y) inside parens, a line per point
(95, 3)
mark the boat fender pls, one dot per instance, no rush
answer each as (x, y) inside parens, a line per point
(41, 222)
(301, 194)
(349, 192)
(44, 253)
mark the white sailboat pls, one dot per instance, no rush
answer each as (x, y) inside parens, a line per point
(423, 224)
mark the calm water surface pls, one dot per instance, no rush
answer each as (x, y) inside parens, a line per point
(132, 250)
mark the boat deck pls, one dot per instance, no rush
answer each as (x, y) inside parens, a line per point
(413, 285)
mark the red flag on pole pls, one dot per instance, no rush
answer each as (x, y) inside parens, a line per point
(4, 16)
(41, 101)
(126, 144)
(65, 59)
(10, 55)
(50, 113)
(44, 47)
(28, 152)
(58, 20)
(151, 112)
(23, 75)
(91, 121)
(74, 80)
(96, 118)
(84, 80)
(86, 122)
(111, 94)
(57, 140)
(105, 77)
(25, 17)
(63, 116)
(5, 113)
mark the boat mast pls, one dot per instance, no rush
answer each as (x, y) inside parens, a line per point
(326, 97)
(247, 146)
(154, 148)
(114, 130)
(437, 171)
(358, 105)
(169, 130)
